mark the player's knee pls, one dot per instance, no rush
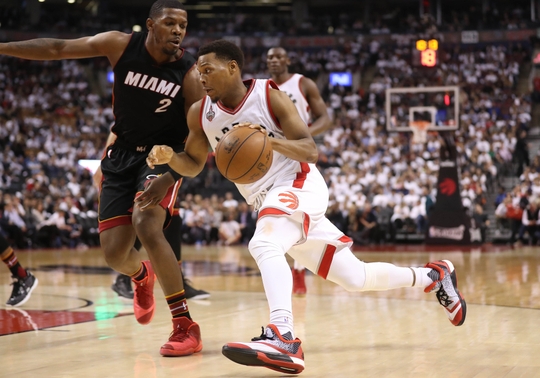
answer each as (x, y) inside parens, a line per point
(377, 276)
(113, 257)
(262, 249)
(353, 284)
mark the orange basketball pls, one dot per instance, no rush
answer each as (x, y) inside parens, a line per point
(244, 155)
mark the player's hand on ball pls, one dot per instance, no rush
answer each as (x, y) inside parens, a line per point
(252, 126)
(159, 155)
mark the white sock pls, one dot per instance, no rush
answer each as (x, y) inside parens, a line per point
(422, 278)
(277, 280)
(283, 320)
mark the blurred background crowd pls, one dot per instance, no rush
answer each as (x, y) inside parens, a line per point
(382, 187)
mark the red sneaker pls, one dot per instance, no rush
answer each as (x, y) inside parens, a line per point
(299, 281)
(270, 350)
(143, 299)
(447, 292)
(185, 339)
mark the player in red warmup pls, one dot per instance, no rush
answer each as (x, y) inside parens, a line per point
(299, 229)
(311, 107)
(155, 84)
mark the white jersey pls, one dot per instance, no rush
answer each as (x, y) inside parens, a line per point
(216, 120)
(294, 91)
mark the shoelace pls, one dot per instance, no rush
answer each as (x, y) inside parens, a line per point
(178, 334)
(262, 336)
(443, 298)
(143, 295)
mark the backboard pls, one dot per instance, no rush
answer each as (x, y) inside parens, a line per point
(437, 105)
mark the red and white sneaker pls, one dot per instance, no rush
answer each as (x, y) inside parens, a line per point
(299, 281)
(447, 292)
(185, 339)
(143, 298)
(271, 350)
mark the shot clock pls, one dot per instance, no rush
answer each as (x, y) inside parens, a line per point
(426, 53)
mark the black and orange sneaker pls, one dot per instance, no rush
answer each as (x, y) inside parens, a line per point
(299, 281)
(447, 292)
(185, 339)
(144, 303)
(271, 350)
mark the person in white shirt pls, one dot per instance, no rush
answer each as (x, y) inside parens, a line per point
(229, 230)
(300, 228)
(312, 109)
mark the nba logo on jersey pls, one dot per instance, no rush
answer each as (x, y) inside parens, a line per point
(210, 114)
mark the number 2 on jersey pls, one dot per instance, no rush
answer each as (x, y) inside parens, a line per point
(164, 105)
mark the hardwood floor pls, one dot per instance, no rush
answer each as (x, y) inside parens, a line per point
(75, 326)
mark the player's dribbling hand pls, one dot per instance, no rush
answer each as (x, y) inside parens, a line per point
(159, 155)
(251, 126)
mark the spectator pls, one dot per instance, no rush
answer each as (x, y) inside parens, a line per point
(521, 152)
(530, 223)
(229, 230)
(481, 220)
(367, 230)
(13, 224)
(247, 219)
(230, 203)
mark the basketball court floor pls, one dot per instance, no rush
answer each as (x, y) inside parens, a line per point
(75, 326)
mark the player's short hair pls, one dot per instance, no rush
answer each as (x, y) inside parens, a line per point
(280, 48)
(224, 50)
(160, 5)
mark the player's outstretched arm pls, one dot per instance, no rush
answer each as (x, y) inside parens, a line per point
(190, 162)
(299, 144)
(110, 44)
(321, 119)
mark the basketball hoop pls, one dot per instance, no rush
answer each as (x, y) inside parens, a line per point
(419, 129)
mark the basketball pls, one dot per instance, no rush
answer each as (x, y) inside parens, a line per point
(244, 155)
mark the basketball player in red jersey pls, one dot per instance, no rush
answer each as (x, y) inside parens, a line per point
(299, 229)
(24, 282)
(155, 84)
(308, 101)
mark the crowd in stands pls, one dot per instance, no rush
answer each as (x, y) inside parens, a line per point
(374, 19)
(380, 184)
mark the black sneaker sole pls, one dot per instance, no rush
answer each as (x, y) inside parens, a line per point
(121, 293)
(250, 357)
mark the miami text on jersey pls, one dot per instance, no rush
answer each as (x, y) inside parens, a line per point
(153, 84)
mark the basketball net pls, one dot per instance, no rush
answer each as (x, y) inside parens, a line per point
(419, 129)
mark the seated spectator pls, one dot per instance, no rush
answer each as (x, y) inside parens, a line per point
(530, 222)
(481, 220)
(195, 223)
(501, 213)
(230, 202)
(336, 216)
(247, 219)
(418, 215)
(54, 232)
(215, 216)
(13, 224)
(229, 230)
(500, 196)
(367, 229)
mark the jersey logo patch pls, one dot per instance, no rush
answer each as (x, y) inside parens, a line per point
(210, 114)
(289, 198)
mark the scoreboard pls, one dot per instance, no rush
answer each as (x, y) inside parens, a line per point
(426, 53)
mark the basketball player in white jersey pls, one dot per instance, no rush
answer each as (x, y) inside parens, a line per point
(292, 199)
(311, 107)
